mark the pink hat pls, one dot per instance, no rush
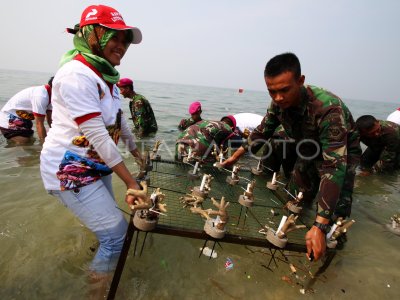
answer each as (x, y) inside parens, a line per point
(124, 82)
(232, 118)
(108, 17)
(194, 107)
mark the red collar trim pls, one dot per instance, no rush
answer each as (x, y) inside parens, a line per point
(80, 58)
(48, 89)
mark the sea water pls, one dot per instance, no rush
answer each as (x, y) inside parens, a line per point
(44, 249)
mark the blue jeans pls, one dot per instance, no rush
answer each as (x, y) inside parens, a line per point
(95, 207)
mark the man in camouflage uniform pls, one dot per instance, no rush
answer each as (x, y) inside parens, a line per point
(328, 145)
(200, 139)
(382, 139)
(195, 116)
(142, 114)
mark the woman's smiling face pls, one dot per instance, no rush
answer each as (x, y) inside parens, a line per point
(116, 47)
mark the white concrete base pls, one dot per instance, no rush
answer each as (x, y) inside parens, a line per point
(231, 180)
(212, 230)
(245, 201)
(275, 240)
(196, 192)
(255, 171)
(143, 224)
(192, 176)
(271, 186)
(293, 207)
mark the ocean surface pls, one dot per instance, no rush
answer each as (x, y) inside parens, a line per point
(44, 250)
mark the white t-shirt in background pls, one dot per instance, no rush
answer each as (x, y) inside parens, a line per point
(32, 100)
(395, 116)
(247, 120)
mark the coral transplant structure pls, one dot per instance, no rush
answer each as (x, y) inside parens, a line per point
(147, 209)
(279, 237)
(214, 227)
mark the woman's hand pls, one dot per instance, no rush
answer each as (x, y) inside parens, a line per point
(137, 197)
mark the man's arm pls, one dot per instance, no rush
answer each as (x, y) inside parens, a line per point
(333, 135)
(185, 123)
(264, 131)
(258, 136)
(333, 140)
(368, 160)
(391, 149)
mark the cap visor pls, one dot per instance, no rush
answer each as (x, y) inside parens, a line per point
(137, 34)
(71, 30)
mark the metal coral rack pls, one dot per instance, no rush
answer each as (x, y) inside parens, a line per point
(246, 225)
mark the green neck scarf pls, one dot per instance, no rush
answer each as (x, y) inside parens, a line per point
(109, 73)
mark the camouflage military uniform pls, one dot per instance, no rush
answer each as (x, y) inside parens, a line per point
(142, 115)
(201, 137)
(384, 148)
(185, 123)
(327, 144)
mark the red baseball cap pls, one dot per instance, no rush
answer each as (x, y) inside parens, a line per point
(124, 82)
(194, 107)
(108, 17)
(232, 119)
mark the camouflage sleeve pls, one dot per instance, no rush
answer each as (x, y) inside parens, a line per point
(194, 138)
(333, 136)
(221, 132)
(369, 158)
(131, 109)
(141, 113)
(389, 154)
(185, 123)
(264, 131)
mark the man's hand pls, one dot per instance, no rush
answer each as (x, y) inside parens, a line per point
(246, 133)
(230, 161)
(234, 158)
(316, 243)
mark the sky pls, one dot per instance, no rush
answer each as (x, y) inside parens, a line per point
(350, 47)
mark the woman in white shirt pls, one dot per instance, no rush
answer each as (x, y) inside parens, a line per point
(16, 116)
(80, 151)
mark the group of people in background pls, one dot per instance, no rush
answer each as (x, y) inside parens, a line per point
(200, 135)
(312, 134)
(83, 109)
